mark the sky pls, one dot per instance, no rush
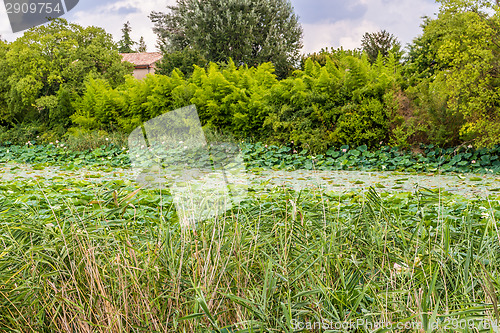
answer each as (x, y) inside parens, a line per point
(326, 23)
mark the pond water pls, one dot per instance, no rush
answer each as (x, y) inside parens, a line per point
(470, 185)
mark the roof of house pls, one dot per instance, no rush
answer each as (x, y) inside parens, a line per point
(142, 59)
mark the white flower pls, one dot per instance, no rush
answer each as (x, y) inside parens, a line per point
(107, 139)
(57, 141)
(417, 261)
(400, 268)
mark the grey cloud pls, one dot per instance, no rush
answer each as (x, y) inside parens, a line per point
(328, 11)
(125, 10)
(87, 5)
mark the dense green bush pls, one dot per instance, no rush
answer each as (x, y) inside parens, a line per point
(345, 101)
(348, 100)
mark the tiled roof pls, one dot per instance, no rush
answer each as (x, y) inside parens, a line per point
(142, 59)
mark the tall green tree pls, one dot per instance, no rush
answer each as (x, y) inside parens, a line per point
(125, 45)
(142, 45)
(457, 60)
(248, 32)
(381, 42)
(52, 57)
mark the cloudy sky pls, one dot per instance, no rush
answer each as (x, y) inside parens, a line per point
(326, 23)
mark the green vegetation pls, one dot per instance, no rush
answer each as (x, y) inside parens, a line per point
(250, 33)
(113, 153)
(126, 43)
(348, 100)
(43, 72)
(382, 43)
(112, 257)
(86, 249)
(444, 91)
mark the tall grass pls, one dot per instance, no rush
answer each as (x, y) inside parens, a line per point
(280, 259)
(79, 140)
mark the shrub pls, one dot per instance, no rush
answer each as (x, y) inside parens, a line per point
(346, 101)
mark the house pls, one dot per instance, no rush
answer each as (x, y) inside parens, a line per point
(144, 63)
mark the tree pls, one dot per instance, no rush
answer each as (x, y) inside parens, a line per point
(248, 32)
(382, 43)
(125, 44)
(457, 59)
(52, 57)
(326, 54)
(142, 45)
(5, 72)
(183, 60)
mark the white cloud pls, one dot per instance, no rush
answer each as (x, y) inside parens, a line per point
(5, 29)
(343, 33)
(111, 18)
(401, 18)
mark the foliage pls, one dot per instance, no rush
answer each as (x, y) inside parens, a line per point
(142, 47)
(48, 64)
(184, 61)
(322, 56)
(227, 98)
(380, 43)
(126, 43)
(5, 71)
(339, 103)
(248, 32)
(422, 62)
(433, 122)
(348, 100)
(104, 149)
(457, 57)
(70, 245)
